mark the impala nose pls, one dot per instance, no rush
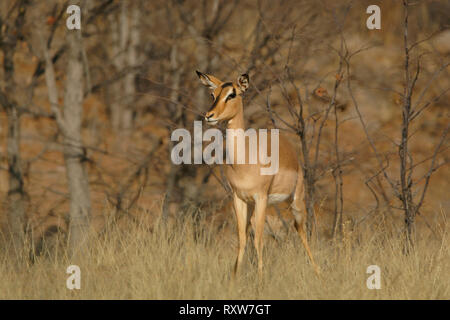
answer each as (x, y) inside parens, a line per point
(209, 117)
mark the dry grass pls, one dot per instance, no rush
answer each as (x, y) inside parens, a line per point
(135, 262)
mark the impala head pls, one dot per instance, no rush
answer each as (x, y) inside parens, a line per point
(226, 97)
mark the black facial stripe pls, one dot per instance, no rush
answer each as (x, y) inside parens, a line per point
(213, 106)
(231, 95)
(215, 101)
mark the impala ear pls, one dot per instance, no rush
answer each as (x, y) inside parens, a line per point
(243, 82)
(210, 81)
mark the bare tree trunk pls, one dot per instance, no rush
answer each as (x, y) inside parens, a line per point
(337, 175)
(125, 41)
(307, 168)
(405, 180)
(115, 88)
(132, 59)
(309, 205)
(16, 193)
(171, 179)
(176, 110)
(337, 171)
(74, 153)
(69, 123)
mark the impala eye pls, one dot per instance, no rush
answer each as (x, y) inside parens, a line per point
(230, 96)
(212, 96)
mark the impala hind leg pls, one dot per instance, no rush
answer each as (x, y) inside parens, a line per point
(240, 208)
(260, 218)
(299, 211)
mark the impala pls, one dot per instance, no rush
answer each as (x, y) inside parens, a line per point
(246, 180)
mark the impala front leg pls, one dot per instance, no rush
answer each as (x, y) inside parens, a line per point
(240, 207)
(260, 218)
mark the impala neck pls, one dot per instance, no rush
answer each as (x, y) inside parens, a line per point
(237, 122)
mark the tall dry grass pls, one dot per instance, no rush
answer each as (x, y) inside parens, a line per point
(191, 260)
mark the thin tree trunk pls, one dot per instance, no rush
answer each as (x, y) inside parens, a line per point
(114, 89)
(176, 110)
(74, 153)
(405, 181)
(308, 177)
(10, 33)
(16, 193)
(337, 175)
(132, 59)
(309, 204)
(171, 179)
(119, 35)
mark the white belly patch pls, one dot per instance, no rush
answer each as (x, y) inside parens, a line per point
(277, 197)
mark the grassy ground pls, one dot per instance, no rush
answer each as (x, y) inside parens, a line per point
(175, 262)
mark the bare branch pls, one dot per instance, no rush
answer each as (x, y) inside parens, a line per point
(432, 167)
